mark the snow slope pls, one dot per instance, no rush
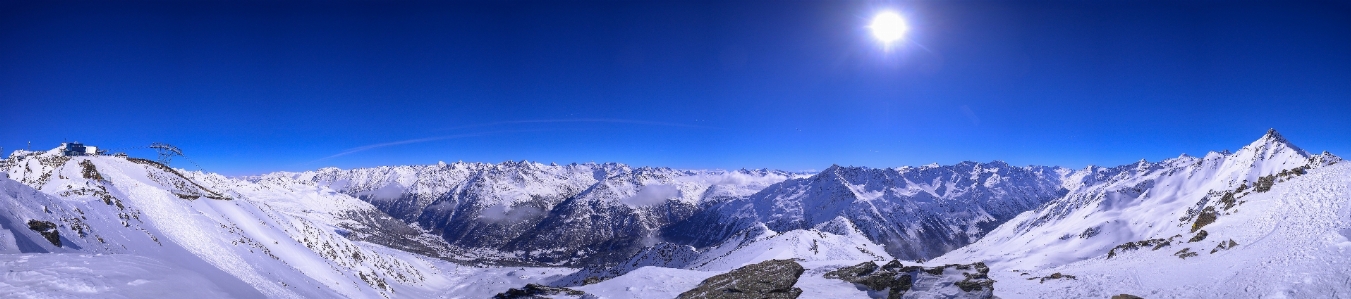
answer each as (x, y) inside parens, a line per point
(70, 275)
(1269, 220)
(252, 240)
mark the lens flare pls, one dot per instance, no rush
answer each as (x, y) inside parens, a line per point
(888, 27)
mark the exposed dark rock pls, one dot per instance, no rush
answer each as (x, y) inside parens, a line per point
(47, 229)
(862, 269)
(1126, 296)
(1206, 217)
(1229, 200)
(768, 279)
(1185, 253)
(89, 171)
(1090, 232)
(896, 279)
(1224, 246)
(534, 291)
(1056, 275)
(1155, 244)
(1264, 183)
(891, 278)
(591, 280)
(1200, 235)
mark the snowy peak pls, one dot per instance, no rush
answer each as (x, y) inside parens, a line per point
(1269, 155)
(916, 212)
(1273, 145)
(1146, 201)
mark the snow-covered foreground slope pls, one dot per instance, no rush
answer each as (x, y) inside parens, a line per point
(74, 275)
(1291, 242)
(248, 239)
(1269, 221)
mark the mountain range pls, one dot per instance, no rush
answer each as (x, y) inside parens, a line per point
(1268, 220)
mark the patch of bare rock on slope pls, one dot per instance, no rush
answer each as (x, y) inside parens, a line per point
(767, 279)
(894, 280)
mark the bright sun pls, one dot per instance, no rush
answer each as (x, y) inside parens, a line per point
(888, 27)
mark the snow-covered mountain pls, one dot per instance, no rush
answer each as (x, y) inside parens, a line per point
(590, 214)
(916, 212)
(139, 228)
(1267, 220)
(130, 218)
(528, 212)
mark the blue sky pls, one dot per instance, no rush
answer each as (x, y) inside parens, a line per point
(254, 87)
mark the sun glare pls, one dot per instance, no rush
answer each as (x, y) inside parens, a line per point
(888, 27)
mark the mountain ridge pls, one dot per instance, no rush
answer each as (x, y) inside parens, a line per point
(477, 229)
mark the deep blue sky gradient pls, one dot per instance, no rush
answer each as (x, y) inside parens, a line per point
(252, 87)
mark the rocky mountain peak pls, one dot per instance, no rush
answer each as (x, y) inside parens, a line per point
(1273, 142)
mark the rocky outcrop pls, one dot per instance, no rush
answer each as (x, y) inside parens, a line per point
(895, 280)
(768, 279)
(47, 229)
(534, 291)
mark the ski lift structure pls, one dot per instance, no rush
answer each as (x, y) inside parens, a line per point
(166, 152)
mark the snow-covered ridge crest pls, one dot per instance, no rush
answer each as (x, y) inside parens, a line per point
(1169, 200)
